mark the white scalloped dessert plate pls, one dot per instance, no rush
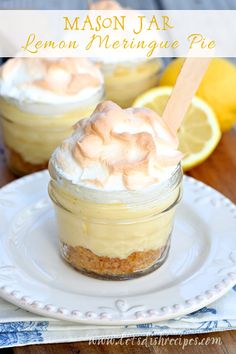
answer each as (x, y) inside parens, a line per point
(200, 268)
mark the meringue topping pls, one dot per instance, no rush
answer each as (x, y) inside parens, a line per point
(118, 149)
(49, 80)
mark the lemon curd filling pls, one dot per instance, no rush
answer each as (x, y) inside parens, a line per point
(34, 136)
(114, 230)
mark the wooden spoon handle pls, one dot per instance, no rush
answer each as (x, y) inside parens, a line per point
(185, 88)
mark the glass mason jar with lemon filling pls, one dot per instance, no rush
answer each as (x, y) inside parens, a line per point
(40, 101)
(125, 81)
(115, 235)
(115, 184)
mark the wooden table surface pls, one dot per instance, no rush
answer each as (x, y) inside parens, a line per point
(219, 171)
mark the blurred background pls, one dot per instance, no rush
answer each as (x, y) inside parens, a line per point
(136, 4)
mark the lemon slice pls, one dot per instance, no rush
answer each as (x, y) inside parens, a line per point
(199, 133)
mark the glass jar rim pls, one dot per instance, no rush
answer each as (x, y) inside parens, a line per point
(149, 194)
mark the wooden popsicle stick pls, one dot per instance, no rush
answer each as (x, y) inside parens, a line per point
(185, 88)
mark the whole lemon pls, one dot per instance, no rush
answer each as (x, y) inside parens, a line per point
(218, 88)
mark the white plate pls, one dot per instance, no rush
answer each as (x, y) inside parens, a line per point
(201, 266)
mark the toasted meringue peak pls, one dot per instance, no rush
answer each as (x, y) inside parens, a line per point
(118, 149)
(49, 80)
(105, 5)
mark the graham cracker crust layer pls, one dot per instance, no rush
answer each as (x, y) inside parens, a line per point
(91, 264)
(19, 166)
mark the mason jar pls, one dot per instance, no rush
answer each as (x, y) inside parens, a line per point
(125, 81)
(114, 235)
(32, 131)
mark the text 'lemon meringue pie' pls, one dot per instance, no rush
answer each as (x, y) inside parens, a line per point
(115, 184)
(40, 100)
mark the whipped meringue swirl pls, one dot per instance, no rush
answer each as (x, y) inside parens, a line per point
(118, 149)
(53, 81)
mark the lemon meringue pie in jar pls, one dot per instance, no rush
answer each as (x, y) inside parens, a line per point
(125, 79)
(40, 100)
(115, 184)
